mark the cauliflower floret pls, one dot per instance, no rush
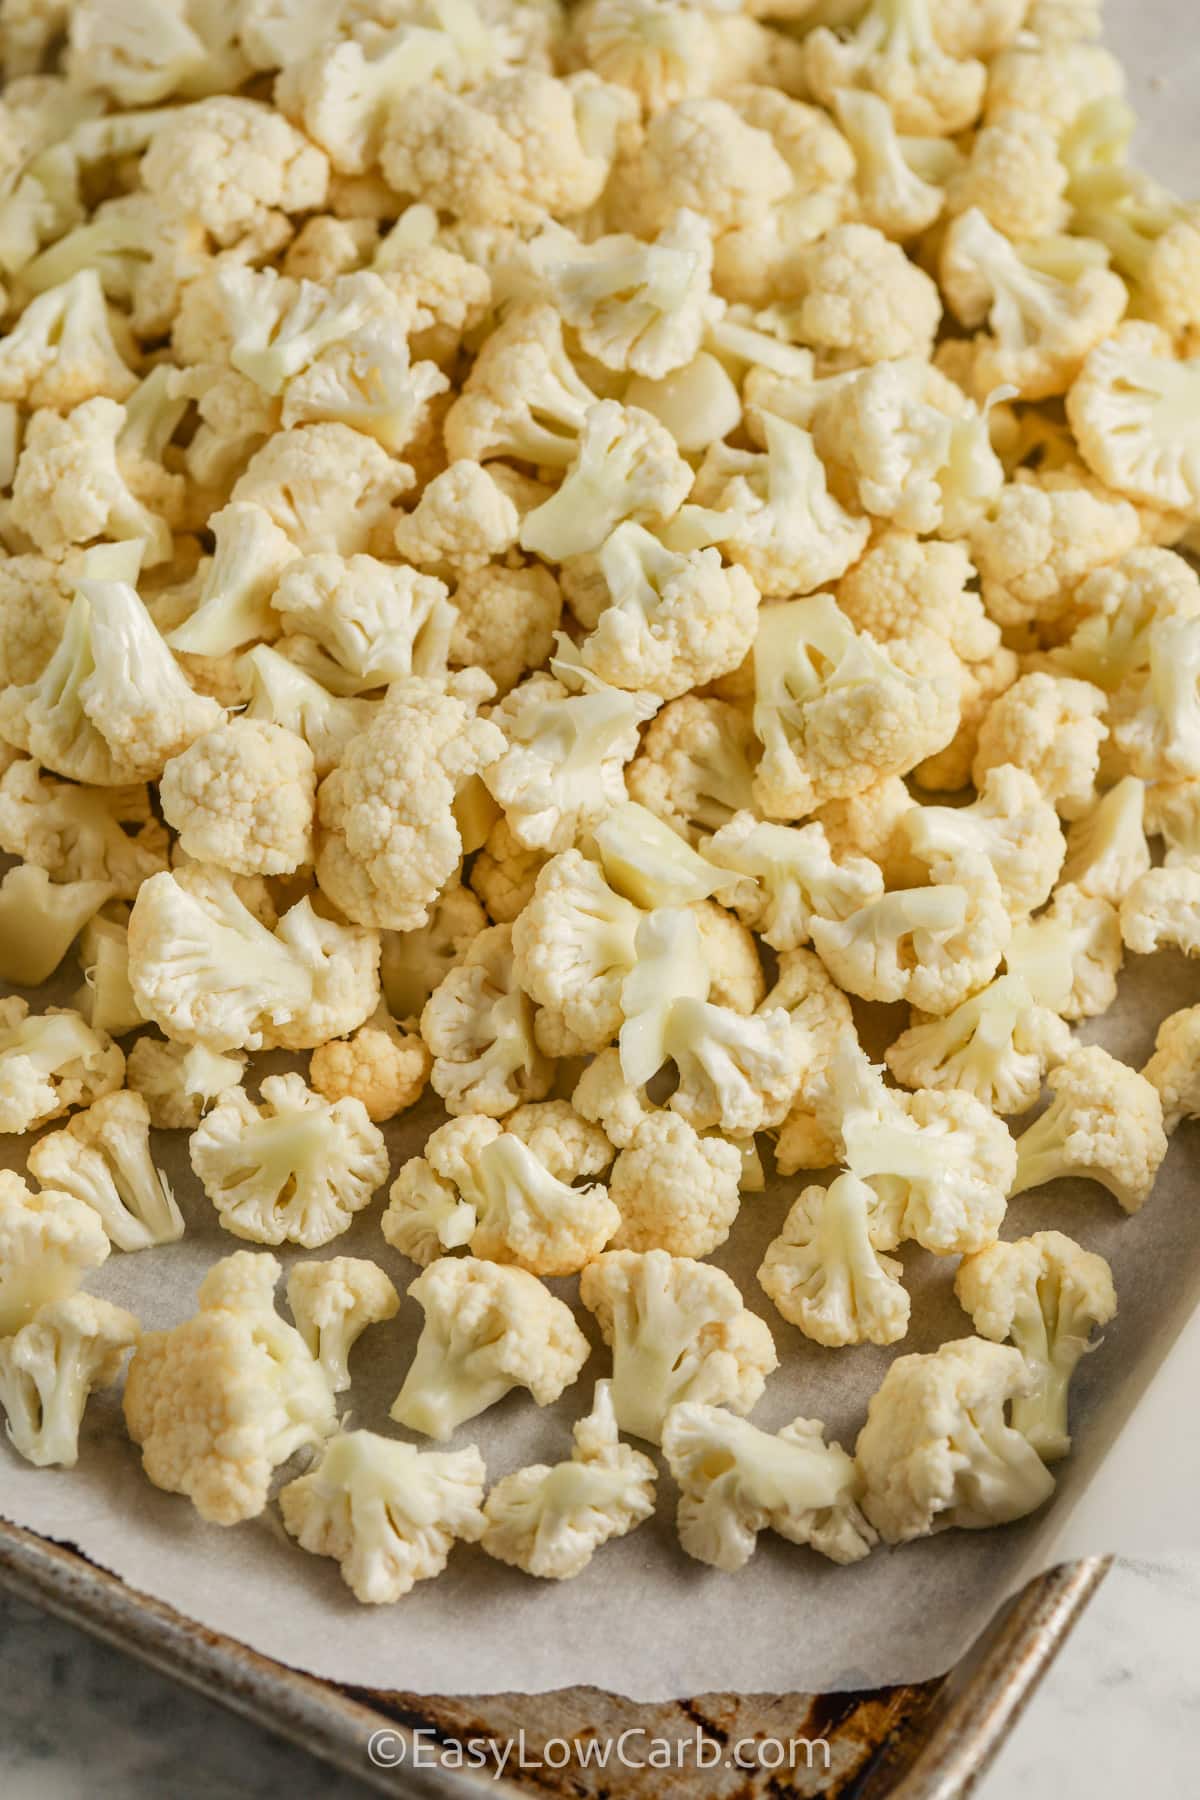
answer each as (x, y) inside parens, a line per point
(378, 622)
(516, 148)
(1107, 850)
(233, 606)
(293, 1170)
(895, 52)
(825, 1275)
(702, 156)
(821, 1019)
(551, 1521)
(1046, 1294)
(33, 610)
(835, 712)
(462, 520)
(1162, 910)
(903, 586)
(48, 1243)
(736, 1072)
(1114, 611)
(941, 1164)
(641, 308)
(504, 874)
(1104, 1124)
(478, 1025)
(625, 466)
(695, 768)
(1156, 718)
(674, 1190)
(333, 1303)
(679, 1331)
(49, 1369)
(506, 620)
(61, 351)
(1071, 955)
(388, 840)
(1054, 75)
(936, 1450)
(910, 447)
(861, 300)
(69, 486)
(180, 49)
(1012, 823)
(103, 1158)
(789, 875)
(1172, 813)
(1052, 727)
(326, 486)
(652, 865)
(736, 1480)
(674, 622)
(949, 770)
(39, 921)
(178, 1081)
(49, 1063)
(899, 181)
(206, 971)
(1133, 410)
(342, 94)
(488, 1329)
(242, 797)
(283, 694)
(523, 396)
(235, 165)
(1151, 236)
(112, 704)
(562, 767)
(387, 1512)
(870, 823)
(1014, 178)
(1041, 328)
(1041, 540)
(997, 1045)
(219, 1401)
(106, 999)
(1174, 1068)
(382, 1066)
(507, 1194)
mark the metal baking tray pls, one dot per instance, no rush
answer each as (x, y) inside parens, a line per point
(928, 1741)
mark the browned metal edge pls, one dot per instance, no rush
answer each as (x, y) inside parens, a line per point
(984, 1696)
(958, 1736)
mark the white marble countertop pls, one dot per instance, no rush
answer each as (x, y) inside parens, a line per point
(1118, 1714)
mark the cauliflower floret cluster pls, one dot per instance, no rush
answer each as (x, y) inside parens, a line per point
(584, 550)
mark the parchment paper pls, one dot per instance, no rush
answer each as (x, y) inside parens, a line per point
(644, 1620)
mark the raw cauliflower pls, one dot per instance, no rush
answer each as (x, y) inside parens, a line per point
(736, 1480)
(1053, 728)
(826, 1275)
(49, 1242)
(236, 165)
(388, 1513)
(1104, 1124)
(242, 797)
(506, 1192)
(478, 1024)
(50, 1062)
(388, 841)
(333, 1303)
(1174, 1068)
(293, 1170)
(937, 1451)
(218, 1402)
(488, 1329)
(674, 1189)
(381, 1065)
(551, 1521)
(678, 1330)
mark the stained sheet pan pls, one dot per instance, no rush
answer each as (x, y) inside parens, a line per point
(927, 1741)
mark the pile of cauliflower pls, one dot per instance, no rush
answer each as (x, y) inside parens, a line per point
(521, 528)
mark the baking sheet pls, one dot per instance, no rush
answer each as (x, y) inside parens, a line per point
(645, 1621)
